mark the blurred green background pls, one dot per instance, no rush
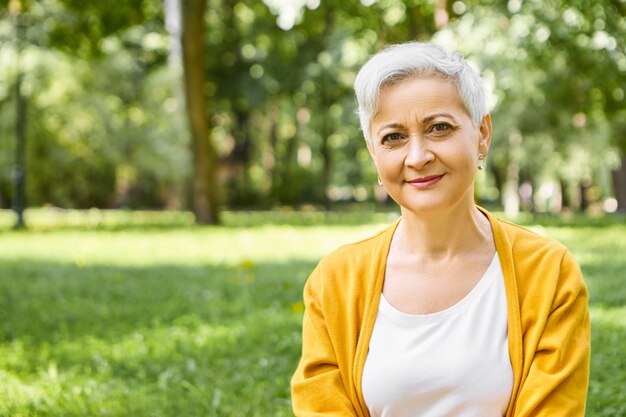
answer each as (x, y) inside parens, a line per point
(127, 125)
(105, 121)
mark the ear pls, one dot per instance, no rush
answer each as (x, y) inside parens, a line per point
(484, 130)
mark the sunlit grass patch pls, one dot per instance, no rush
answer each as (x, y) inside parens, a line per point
(176, 320)
(201, 340)
(607, 396)
(51, 218)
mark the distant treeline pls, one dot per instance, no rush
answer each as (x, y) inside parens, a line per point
(106, 121)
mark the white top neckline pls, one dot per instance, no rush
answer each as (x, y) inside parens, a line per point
(406, 319)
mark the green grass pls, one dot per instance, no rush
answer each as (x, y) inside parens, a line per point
(140, 314)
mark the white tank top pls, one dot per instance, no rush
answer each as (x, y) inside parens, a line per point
(453, 363)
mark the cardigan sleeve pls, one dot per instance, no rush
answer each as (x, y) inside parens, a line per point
(317, 388)
(557, 381)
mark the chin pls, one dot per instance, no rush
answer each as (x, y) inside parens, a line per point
(424, 206)
(428, 204)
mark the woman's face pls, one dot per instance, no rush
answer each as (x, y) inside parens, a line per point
(425, 146)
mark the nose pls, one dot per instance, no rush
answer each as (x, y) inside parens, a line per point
(418, 153)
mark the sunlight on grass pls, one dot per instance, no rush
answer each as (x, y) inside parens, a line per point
(179, 247)
(148, 318)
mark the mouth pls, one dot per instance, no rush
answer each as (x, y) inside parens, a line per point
(425, 182)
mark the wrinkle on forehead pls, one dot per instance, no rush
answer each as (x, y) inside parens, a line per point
(440, 95)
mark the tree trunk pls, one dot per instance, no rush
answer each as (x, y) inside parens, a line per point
(326, 154)
(566, 196)
(241, 156)
(511, 197)
(584, 185)
(511, 200)
(204, 182)
(619, 185)
(498, 178)
(272, 168)
(19, 172)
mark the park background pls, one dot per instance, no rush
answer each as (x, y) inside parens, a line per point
(170, 172)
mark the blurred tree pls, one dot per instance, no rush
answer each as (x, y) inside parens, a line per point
(17, 9)
(204, 186)
(103, 123)
(321, 47)
(273, 104)
(554, 67)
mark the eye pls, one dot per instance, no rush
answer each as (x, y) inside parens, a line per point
(439, 127)
(392, 137)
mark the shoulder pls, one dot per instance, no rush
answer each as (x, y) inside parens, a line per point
(542, 266)
(526, 243)
(354, 264)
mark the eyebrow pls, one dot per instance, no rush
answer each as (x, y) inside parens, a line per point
(423, 121)
(435, 115)
(390, 126)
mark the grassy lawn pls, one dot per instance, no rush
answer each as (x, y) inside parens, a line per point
(140, 314)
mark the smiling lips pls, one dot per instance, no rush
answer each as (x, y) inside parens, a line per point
(425, 182)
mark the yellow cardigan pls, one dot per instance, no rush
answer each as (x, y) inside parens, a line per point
(548, 325)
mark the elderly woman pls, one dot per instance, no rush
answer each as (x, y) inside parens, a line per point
(449, 312)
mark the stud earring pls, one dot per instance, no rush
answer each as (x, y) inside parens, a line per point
(380, 182)
(482, 160)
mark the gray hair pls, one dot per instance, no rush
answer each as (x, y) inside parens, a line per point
(397, 63)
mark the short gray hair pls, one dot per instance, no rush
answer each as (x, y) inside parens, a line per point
(397, 63)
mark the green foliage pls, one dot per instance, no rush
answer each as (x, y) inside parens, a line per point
(104, 130)
(106, 123)
(161, 319)
(93, 22)
(558, 70)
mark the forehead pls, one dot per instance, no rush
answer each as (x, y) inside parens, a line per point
(419, 95)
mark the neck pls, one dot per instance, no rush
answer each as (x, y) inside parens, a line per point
(445, 234)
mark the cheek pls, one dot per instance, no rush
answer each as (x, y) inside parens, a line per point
(389, 162)
(465, 162)
(461, 152)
